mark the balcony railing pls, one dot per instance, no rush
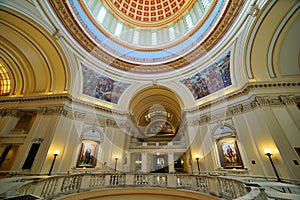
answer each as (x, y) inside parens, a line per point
(172, 144)
(58, 186)
(18, 131)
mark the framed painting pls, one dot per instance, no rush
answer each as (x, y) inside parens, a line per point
(230, 155)
(87, 154)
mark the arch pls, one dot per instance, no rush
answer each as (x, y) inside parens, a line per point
(155, 99)
(92, 132)
(223, 130)
(266, 39)
(32, 52)
(225, 137)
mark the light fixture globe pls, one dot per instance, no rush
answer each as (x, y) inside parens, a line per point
(56, 152)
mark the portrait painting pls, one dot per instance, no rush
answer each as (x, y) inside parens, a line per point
(230, 155)
(87, 154)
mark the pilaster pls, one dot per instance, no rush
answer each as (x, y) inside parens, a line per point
(145, 158)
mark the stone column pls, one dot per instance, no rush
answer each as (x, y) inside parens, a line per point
(171, 162)
(145, 167)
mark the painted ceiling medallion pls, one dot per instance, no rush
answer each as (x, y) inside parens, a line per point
(149, 13)
(148, 10)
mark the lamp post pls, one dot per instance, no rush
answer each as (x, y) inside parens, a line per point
(197, 159)
(56, 152)
(116, 160)
(268, 153)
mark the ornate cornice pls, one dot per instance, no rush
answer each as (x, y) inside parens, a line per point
(251, 105)
(55, 100)
(288, 100)
(61, 105)
(250, 87)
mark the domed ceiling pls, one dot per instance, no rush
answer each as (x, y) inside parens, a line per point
(147, 36)
(148, 10)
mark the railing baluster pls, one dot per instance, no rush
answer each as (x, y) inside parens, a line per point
(60, 185)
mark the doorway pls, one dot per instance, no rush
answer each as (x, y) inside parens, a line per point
(8, 156)
(159, 164)
(180, 163)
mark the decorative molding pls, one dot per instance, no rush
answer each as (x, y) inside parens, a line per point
(258, 102)
(16, 113)
(275, 39)
(49, 110)
(79, 115)
(68, 98)
(37, 140)
(254, 9)
(67, 111)
(275, 101)
(86, 39)
(110, 123)
(288, 100)
(250, 87)
(3, 112)
(59, 99)
(249, 45)
(247, 107)
(61, 110)
(262, 101)
(236, 110)
(57, 34)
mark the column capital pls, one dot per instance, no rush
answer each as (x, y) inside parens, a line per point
(288, 100)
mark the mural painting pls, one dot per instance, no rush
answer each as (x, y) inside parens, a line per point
(101, 87)
(211, 79)
(160, 127)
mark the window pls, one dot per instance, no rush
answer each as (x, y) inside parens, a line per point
(136, 37)
(205, 4)
(189, 22)
(172, 33)
(25, 122)
(4, 81)
(31, 156)
(101, 14)
(154, 38)
(118, 29)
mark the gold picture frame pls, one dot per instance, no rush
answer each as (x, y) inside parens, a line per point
(87, 154)
(229, 154)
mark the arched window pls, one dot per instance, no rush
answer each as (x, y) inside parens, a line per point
(5, 83)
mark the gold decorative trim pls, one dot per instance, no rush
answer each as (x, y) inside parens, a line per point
(151, 24)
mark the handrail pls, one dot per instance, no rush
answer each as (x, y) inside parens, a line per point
(53, 187)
